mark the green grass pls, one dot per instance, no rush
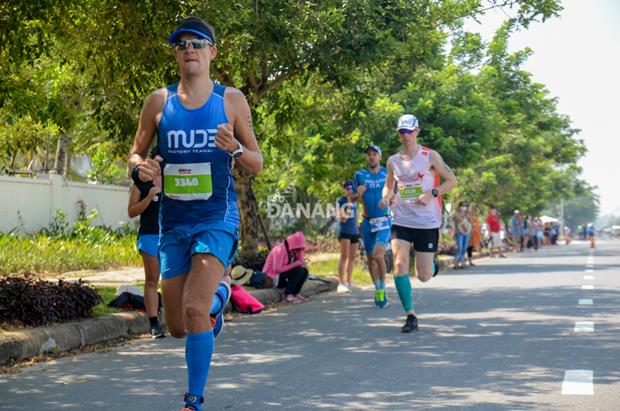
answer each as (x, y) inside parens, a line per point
(329, 268)
(43, 254)
(108, 294)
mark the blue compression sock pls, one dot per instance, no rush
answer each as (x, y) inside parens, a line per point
(381, 284)
(198, 352)
(377, 284)
(405, 292)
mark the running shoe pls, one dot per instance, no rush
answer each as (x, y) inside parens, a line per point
(381, 297)
(157, 332)
(410, 325)
(342, 289)
(435, 266)
(192, 403)
(223, 292)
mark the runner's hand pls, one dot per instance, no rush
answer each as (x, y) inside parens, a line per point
(424, 198)
(385, 202)
(150, 169)
(154, 191)
(225, 138)
(361, 189)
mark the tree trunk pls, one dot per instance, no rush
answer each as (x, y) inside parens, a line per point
(248, 214)
(60, 162)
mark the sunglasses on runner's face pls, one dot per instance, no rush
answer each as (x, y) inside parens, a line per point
(196, 44)
(405, 131)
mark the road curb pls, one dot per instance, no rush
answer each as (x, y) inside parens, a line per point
(19, 345)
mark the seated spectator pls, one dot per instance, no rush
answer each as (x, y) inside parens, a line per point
(287, 268)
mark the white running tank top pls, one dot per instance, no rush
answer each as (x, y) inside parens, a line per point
(414, 177)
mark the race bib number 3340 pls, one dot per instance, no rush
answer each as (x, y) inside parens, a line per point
(188, 181)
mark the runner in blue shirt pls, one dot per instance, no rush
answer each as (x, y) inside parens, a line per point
(367, 187)
(348, 237)
(202, 129)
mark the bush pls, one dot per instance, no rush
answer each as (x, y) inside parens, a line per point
(255, 263)
(38, 302)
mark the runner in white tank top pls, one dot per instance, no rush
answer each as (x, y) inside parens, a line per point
(416, 207)
(414, 177)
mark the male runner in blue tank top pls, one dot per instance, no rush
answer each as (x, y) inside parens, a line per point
(367, 186)
(202, 130)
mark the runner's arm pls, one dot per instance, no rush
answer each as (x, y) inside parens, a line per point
(388, 188)
(241, 131)
(137, 206)
(147, 127)
(359, 194)
(445, 172)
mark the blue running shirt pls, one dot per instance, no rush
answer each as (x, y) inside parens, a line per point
(374, 190)
(192, 163)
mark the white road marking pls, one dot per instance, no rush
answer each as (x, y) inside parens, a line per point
(584, 327)
(586, 301)
(589, 271)
(587, 287)
(588, 277)
(578, 382)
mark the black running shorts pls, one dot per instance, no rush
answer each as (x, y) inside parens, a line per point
(424, 239)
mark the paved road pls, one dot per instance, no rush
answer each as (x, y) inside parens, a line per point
(498, 336)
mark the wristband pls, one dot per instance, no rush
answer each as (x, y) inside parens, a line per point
(135, 175)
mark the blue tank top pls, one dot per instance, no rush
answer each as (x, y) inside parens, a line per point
(374, 189)
(187, 136)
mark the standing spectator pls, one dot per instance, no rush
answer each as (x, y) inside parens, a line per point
(287, 267)
(538, 227)
(547, 234)
(526, 232)
(516, 230)
(348, 238)
(590, 233)
(568, 236)
(462, 227)
(474, 239)
(555, 233)
(494, 229)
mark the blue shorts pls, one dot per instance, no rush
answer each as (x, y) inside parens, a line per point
(178, 245)
(148, 244)
(381, 237)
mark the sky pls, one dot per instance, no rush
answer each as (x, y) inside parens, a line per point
(577, 57)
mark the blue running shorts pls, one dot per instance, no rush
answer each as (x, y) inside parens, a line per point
(178, 245)
(381, 237)
(148, 244)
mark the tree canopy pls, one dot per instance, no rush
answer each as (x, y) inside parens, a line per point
(323, 79)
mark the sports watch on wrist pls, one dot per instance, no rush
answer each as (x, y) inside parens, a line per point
(435, 192)
(237, 153)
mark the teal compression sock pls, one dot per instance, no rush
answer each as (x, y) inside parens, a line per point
(377, 284)
(405, 292)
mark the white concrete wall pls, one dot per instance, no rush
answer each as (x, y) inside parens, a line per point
(29, 204)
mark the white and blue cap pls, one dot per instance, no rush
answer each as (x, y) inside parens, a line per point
(193, 25)
(373, 147)
(407, 122)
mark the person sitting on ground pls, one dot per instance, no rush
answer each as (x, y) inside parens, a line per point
(286, 266)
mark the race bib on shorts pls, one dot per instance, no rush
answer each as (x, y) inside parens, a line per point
(188, 181)
(409, 192)
(378, 224)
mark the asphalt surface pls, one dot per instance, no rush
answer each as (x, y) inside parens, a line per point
(497, 336)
